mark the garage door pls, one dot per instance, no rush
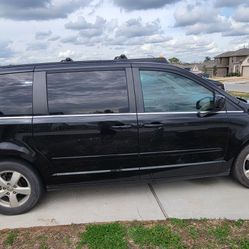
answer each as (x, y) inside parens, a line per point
(246, 71)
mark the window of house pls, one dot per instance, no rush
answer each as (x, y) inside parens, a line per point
(92, 92)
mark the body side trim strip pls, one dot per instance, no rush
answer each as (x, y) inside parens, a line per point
(127, 114)
(16, 117)
(209, 150)
(136, 169)
(111, 114)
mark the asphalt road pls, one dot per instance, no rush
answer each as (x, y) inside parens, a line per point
(205, 198)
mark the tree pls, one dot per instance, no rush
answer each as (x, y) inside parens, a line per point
(207, 58)
(204, 68)
(174, 60)
(215, 70)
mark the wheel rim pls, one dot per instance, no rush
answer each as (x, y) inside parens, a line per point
(246, 167)
(15, 189)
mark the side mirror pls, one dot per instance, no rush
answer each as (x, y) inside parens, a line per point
(219, 103)
(210, 104)
(205, 104)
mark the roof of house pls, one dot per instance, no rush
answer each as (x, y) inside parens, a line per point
(240, 52)
(187, 65)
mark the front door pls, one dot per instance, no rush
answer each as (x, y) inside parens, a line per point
(174, 137)
(91, 126)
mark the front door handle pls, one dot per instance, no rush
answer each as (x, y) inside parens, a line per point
(121, 127)
(157, 125)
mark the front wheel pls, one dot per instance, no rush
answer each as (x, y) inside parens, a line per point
(241, 167)
(20, 188)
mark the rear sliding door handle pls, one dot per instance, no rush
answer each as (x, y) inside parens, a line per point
(121, 127)
(153, 125)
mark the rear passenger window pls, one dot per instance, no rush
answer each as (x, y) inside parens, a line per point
(16, 94)
(87, 92)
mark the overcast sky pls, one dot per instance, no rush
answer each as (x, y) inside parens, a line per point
(49, 30)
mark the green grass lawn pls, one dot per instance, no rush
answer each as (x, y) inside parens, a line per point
(171, 234)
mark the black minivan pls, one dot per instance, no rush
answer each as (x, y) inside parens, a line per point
(72, 122)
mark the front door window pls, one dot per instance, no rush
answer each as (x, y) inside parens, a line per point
(170, 92)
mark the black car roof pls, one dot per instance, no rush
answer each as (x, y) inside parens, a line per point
(69, 63)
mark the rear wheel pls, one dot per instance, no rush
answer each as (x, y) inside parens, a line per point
(20, 188)
(241, 167)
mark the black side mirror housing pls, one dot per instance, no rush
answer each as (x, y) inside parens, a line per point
(205, 104)
(209, 106)
(219, 103)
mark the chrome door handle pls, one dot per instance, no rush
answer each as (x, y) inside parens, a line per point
(153, 125)
(121, 126)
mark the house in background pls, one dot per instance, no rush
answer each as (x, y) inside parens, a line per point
(207, 67)
(233, 62)
(192, 67)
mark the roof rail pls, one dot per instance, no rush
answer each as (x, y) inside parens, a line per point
(123, 57)
(67, 60)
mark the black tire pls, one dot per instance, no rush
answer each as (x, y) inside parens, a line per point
(35, 186)
(238, 167)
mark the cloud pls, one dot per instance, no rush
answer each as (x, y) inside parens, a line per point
(155, 39)
(34, 46)
(242, 14)
(135, 28)
(142, 4)
(228, 3)
(237, 29)
(66, 54)
(43, 35)
(207, 20)
(5, 51)
(194, 48)
(39, 9)
(24, 3)
(135, 32)
(219, 25)
(109, 33)
(191, 14)
(84, 40)
(89, 34)
(54, 38)
(86, 28)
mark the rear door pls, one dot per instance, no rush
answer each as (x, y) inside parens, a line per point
(89, 128)
(175, 138)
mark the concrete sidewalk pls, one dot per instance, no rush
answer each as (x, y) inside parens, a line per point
(205, 198)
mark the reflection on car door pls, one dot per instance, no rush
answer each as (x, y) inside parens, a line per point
(91, 128)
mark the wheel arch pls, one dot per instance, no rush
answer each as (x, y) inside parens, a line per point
(239, 150)
(14, 151)
(27, 163)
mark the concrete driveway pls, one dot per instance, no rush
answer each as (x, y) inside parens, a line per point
(205, 198)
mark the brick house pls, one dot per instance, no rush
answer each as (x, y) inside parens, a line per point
(233, 62)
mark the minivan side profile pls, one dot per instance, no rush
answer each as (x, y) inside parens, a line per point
(72, 122)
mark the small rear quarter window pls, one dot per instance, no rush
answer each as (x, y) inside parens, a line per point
(16, 94)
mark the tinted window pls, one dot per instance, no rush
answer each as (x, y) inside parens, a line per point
(169, 92)
(87, 92)
(16, 94)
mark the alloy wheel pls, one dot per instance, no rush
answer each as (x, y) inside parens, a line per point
(15, 189)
